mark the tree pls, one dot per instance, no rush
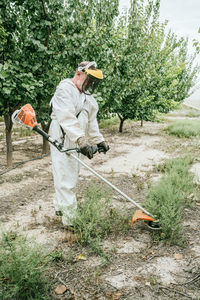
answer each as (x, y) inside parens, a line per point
(59, 36)
(16, 82)
(151, 71)
(43, 42)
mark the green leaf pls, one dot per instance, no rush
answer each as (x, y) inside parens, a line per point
(7, 91)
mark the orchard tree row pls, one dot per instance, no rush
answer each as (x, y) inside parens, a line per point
(42, 41)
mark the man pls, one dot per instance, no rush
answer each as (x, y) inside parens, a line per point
(74, 123)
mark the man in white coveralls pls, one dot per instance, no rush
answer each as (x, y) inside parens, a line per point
(74, 122)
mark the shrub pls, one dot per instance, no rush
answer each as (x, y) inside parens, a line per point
(167, 199)
(22, 270)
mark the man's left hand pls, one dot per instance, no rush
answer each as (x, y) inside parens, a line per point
(103, 147)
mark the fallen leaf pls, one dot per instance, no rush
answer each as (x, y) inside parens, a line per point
(61, 289)
(178, 256)
(116, 296)
(81, 257)
(109, 294)
(113, 296)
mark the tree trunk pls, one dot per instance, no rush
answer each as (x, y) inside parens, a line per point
(141, 124)
(121, 125)
(121, 122)
(45, 145)
(9, 150)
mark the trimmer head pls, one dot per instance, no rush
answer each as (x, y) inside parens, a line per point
(139, 215)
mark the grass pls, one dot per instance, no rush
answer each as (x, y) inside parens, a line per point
(193, 114)
(23, 132)
(22, 269)
(167, 199)
(18, 132)
(95, 219)
(184, 128)
(108, 123)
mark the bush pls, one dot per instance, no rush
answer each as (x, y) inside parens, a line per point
(167, 199)
(185, 128)
(22, 270)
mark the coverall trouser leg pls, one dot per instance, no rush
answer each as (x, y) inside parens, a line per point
(65, 172)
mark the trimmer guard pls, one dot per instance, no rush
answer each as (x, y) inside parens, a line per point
(139, 215)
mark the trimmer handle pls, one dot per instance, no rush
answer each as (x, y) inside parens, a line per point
(94, 149)
(59, 146)
(41, 132)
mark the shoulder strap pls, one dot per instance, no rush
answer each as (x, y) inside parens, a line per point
(63, 133)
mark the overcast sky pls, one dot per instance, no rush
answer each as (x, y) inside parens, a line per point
(183, 19)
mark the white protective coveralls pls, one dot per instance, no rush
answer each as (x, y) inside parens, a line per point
(67, 103)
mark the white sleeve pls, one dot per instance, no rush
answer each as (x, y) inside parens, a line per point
(93, 128)
(64, 110)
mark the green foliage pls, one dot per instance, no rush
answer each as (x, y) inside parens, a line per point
(1, 136)
(22, 269)
(41, 42)
(17, 81)
(167, 199)
(96, 219)
(196, 43)
(185, 128)
(56, 255)
(150, 72)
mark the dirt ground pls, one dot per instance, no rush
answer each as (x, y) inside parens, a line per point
(141, 268)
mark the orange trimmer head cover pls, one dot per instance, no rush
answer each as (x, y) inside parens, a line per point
(27, 116)
(139, 215)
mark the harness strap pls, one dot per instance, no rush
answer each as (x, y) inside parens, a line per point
(63, 132)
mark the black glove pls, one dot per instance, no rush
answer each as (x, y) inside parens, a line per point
(85, 148)
(103, 147)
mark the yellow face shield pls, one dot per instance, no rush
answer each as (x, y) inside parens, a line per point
(95, 73)
(94, 76)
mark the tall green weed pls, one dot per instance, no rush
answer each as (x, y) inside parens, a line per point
(22, 269)
(167, 199)
(95, 219)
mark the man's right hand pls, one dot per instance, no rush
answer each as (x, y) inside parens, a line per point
(85, 148)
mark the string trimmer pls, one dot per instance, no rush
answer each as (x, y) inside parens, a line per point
(26, 116)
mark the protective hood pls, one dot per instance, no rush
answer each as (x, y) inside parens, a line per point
(94, 76)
